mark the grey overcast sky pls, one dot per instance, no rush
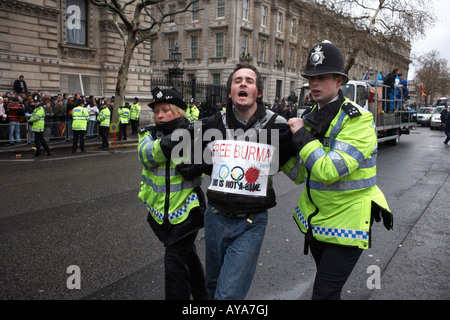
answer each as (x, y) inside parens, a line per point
(437, 38)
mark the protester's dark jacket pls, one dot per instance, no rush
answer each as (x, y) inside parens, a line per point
(235, 204)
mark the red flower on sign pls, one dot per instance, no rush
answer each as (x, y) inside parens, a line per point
(252, 175)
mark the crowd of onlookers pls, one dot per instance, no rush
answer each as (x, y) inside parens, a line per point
(16, 108)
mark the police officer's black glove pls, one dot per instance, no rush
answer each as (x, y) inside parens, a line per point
(167, 145)
(189, 171)
(145, 129)
(388, 219)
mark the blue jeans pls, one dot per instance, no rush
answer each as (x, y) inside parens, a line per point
(232, 250)
(14, 131)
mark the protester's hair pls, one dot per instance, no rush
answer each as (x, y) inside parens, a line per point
(259, 79)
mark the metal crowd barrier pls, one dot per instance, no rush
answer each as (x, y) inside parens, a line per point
(54, 132)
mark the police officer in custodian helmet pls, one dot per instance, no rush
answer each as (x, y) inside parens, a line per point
(336, 146)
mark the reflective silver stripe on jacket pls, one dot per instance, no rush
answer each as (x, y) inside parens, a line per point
(147, 141)
(173, 187)
(344, 185)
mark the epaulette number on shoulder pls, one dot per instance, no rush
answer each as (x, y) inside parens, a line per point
(351, 110)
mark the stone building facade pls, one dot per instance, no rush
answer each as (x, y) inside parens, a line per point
(71, 46)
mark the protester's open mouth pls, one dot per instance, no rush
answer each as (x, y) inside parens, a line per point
(243, 94)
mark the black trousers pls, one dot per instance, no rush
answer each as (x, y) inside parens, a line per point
(123, 131)
(78, 135)
(184, 273)
(38, 140)
(134, 126)
(104, 135)
(334, 266)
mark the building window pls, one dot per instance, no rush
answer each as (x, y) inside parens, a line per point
(245, 10)
(293, 26)
(194, 47)
(291, 57)
(262, 50)
(220, 8)
(195, 9)
(278, 53)
(171, 47)
(264, 16)
(279, 21)
(172, 9)
(219, 44)
(216, 79)
(244, 48)
(86, 85)
(76, 22)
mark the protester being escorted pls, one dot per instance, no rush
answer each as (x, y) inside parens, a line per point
(135, 113)
(236, 218)
(175, 206)
(80, 117)
(124, 119)
(37, 120)
(336, 152)
(104, 118)
(15, 110)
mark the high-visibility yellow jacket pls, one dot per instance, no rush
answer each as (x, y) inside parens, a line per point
(166, 194)
(341, 198)
(104, 117)
(135, 111)
(38, 119)
(124, 115)
(80, 117)
(192, 112)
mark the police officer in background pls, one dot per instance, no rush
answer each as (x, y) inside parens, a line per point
(80, 117)
(336, 148)
(135, 113)
(104, 119)
(37, 120)
(124, 119)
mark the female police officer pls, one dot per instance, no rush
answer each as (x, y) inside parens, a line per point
(175, 205)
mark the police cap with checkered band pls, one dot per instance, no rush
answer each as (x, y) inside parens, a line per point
(167, 95)
(325, 58)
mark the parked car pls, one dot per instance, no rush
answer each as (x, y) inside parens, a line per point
(424, 116)
(435, 122)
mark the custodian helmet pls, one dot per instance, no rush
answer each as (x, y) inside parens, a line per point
(167, 95)
(325, 58)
